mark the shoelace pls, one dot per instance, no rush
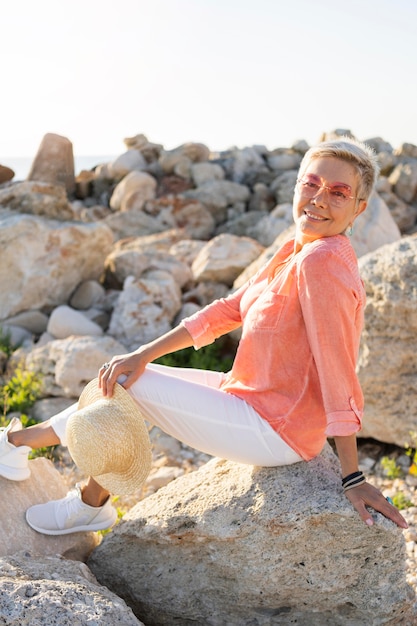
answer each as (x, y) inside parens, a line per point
(71, 504)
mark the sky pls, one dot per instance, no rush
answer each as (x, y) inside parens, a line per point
(221, 72)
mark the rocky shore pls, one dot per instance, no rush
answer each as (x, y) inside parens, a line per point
(97, 263)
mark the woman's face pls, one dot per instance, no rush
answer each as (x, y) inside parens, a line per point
(325, 202)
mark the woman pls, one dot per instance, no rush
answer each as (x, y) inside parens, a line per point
(293, 380)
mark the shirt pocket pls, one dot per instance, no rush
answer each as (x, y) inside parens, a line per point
(266, 313)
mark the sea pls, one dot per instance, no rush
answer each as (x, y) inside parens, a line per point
(21, 165)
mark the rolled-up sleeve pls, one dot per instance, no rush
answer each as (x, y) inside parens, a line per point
(343, 423)
(214, 320)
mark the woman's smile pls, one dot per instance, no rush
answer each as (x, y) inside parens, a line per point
(314, 216)
(325, 202)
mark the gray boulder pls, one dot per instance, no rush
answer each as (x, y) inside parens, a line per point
(46, 590)
(37, 198)
(44, 484)
(374, 228)
(54, 162)
(387, 359)
(43, 260)
(237, 545)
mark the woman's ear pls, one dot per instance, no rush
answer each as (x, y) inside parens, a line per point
(360, 208)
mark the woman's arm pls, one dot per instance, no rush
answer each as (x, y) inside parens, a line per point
(364, 494)
(205, 326)
(133, 364)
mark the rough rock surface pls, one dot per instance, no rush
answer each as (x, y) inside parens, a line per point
(374, 228)
(145, 309)
(42, 260)
(237, 545)
(44, 484)
(387, 363)
(54, 162)
(67, 365)
(224, 258)
(37, 198)
(47, 590)
(6, 174)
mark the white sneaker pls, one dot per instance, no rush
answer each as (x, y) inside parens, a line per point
(70, 515)
(14, 463)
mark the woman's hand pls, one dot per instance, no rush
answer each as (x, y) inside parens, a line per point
(130, 366)
(367, 495)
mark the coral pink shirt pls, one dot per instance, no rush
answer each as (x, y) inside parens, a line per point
(301, 319)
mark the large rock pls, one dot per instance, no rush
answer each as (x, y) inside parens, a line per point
(220, 195)
(374, 228)
(44, 484)
(224, 257)
(237, 545)
(132, 258)
(37, 198)
(43, 261)
(161, 214)
(404, 180)
(54, 162)
(133, 191)
(6, 174)
(67, 365)
(127, 162)
(179, 160)
(125, 224)
(145, 308)
(246, 163)
(270, 226)
(33, 321)
(204, 172)
(283, 186)
(88, 294)
(387, 360)
(151, 151)
(403, 214)
(46, 590)
(65, 321)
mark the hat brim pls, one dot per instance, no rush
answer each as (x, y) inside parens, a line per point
(109, 440)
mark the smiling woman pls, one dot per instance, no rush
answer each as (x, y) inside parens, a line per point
(323, 204)
(334, 184)
(293, 381)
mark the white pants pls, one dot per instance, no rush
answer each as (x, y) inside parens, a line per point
(188, 404)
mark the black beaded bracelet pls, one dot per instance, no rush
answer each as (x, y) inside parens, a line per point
(346, 479)
(353, 480)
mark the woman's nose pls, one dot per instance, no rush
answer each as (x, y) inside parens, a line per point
(320, 199)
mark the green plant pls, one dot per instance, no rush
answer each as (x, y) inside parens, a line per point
(6, 345)
(390, 467)
(20, 392)
(412, 453)
(120, 512)
(211, 357)
(401, 502)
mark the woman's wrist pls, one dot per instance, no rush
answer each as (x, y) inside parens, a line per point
(353, 480)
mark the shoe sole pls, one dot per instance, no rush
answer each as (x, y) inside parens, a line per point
(76, 529)
(14, 474)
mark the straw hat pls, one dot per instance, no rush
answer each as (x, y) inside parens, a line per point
(108, 439)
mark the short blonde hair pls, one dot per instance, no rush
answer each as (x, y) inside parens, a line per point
(360, 155)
